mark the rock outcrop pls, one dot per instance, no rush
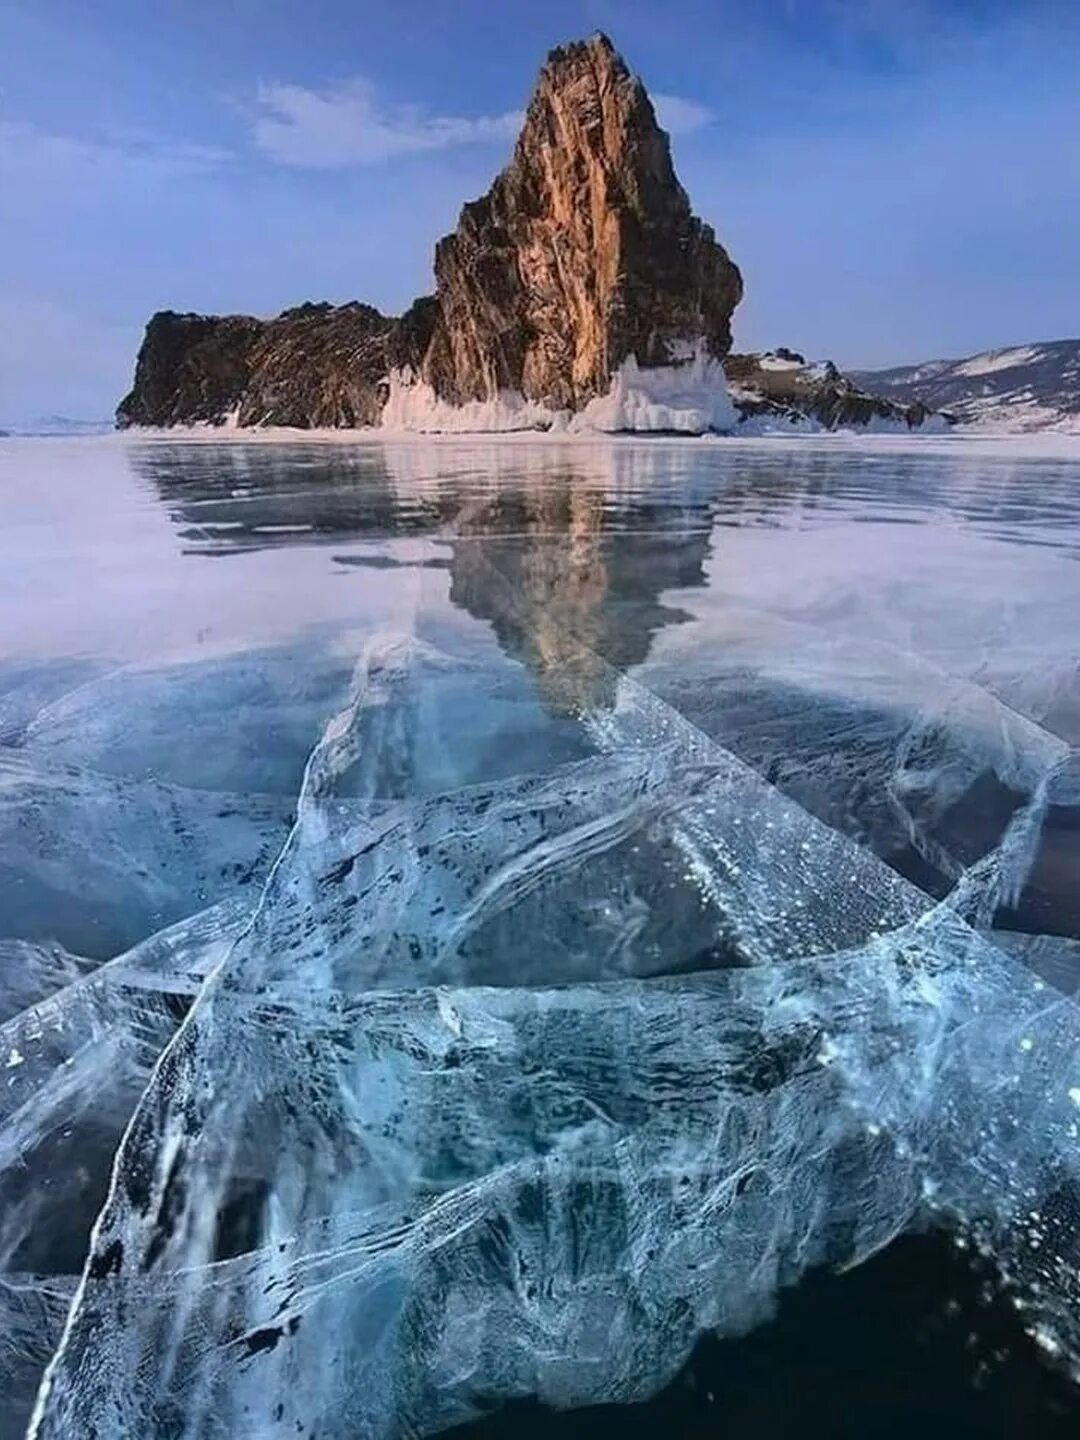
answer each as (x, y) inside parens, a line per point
(779, 388)
(582, 254)
(314, 365)
(579, 292)
(582, 262)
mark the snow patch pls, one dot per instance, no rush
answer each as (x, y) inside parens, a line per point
(931, 369)
(776, 362)
(995, 360)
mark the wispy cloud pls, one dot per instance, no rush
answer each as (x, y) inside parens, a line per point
(680, 116)
(28, 151)
(348, 125)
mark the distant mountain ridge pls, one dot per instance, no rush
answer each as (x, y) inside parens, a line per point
(1019, 388)
(56, 426)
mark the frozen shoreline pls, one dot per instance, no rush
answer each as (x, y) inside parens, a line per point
(1044, 445)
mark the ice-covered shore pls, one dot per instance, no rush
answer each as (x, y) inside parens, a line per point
(690, 398)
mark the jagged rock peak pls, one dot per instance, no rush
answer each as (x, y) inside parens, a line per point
(581, 276)
(583, 253)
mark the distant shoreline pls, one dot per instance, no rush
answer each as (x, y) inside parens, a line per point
(1002, 444)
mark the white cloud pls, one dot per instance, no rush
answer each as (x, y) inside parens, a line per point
(346, 125)
(679, 116)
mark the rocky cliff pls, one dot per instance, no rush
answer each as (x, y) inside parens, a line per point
(314, 365)
(582, 254)
(580, 291)
(582, 258)
(779, 388)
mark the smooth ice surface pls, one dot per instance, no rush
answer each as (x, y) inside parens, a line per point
(475, 917)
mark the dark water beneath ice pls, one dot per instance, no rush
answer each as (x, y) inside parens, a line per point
(497, 718)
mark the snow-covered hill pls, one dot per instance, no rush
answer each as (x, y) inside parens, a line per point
(1026, 387)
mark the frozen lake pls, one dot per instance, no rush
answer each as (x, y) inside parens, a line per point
(479, 919)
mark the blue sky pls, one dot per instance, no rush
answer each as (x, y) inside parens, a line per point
(898, 179)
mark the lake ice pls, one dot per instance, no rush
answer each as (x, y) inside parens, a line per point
(477, 916)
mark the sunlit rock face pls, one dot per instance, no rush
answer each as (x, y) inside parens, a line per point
(583, 253)
(580, 269)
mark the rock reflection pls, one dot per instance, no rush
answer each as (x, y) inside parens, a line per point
(560, 581)
(569, 566)
(565, 550)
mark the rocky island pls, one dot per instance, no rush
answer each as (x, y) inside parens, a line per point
(580, 292)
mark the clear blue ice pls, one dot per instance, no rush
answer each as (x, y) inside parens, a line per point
(476, 918)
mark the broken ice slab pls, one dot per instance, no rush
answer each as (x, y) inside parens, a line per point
(72, 1067)
(71, 1070)
(448, 709)
(1054, 958)
(32, 971)
(462, 1194)
(241, 723)
(938, 742)
(98, 863)
(449, 1198)
(28, 687)
(256, 1127)
(377, 1211)
(433, 708)
(926, 767)
(641, 861)
(60, 1057)
(665, 852)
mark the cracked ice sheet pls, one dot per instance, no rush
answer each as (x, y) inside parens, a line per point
(32, 1311)
(917, 745)
(98, 863)
(868, 733)
(80, 1054)
(458, 1194)
(925, 766)
(247, 723)
(72, 1067)
(875, 742)
(250, 1258)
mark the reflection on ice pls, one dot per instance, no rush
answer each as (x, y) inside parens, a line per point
(542, 970)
